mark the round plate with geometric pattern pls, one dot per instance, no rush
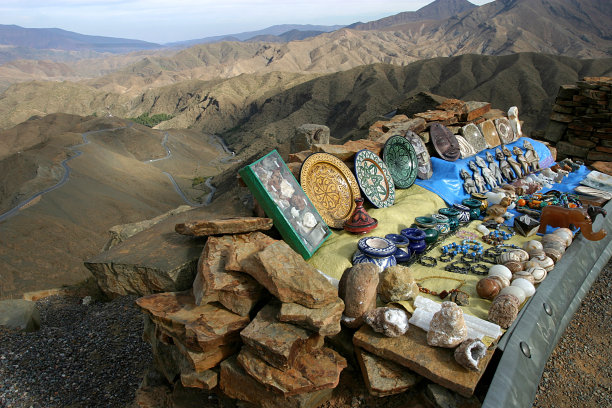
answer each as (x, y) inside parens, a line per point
(374, 179)
(331, 186)
(401, 159)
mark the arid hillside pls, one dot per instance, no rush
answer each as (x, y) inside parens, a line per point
(94, 173)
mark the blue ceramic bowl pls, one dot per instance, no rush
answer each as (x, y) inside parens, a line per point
(413, 234)
(376, 247)
(399, 240)
(402, 255)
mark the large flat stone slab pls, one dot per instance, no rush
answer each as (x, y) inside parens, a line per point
(384, 377)
(234, 225)
(326, 320)
(276, 342)
(236, 383)
(200, 328)
(311, 371)
(19, 314)
(412, 351)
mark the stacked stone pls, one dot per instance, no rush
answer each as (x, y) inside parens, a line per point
(197, 336)
(581, 121)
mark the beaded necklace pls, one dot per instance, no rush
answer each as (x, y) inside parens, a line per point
(444, 293)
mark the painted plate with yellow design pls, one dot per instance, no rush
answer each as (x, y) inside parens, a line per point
(331, 186)
(374, 179)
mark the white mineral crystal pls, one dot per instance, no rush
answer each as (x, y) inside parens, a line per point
(477, 328)
(398, 318)
(287, 189)
(309, 220)
(295, 212)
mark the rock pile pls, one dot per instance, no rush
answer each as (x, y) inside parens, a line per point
(581, 121)
(219, 333)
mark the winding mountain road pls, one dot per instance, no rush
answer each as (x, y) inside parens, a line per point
(15, 210)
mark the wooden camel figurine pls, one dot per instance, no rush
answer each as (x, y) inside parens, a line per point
(556, 216)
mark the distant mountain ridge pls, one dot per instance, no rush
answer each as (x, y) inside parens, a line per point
(437, 10)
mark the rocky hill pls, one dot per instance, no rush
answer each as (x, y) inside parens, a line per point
(95, 173)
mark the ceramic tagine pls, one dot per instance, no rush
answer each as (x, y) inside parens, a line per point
(360, 221)
(376, 250)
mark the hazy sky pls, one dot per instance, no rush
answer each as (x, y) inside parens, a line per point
(174, 20)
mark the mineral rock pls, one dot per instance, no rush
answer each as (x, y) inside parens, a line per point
(236, 383)
(242, 298)
(19, 314)
(309, 134)
(357, 145)
(325, 320)
(447, 327)
(384, 377)
(397, 284)
(310, 371)
(206, 380)
(235, 225)
(287, 276)
(469, 353)
(200, 328)
(504, 310)
(276, 342)
(389, 321)
(222, 257)
(358, 289)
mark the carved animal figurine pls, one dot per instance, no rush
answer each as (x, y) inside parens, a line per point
(516, 167)
(486, 172)
(496, 212)
(522, 160)
(468, 182)
(532, 156)
(514, 122)
(494, 167)
(478, 180)
(504, 166)
(556, 216)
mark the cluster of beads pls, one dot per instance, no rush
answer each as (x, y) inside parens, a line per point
(464, 248)
(497, 237)
(538, 200)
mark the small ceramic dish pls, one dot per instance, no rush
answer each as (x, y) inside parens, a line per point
(399, 240)
(425, 222)
(377, 247)
(414, 234)
(402, 254)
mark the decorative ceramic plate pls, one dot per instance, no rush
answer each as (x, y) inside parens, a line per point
(444, 142)
(424, 171)
(487, 128)
(331, 187)
(504, 130)
(374, 179)
(399, 155)
(472, 134)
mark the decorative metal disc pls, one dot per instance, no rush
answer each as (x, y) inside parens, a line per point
(472, 134)
(424, 171)
(401, 159)
(374, 179)
(490, 133)
(504, 130)
(331, 186)
(444, 142)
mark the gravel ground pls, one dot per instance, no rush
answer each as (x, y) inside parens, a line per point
(93, 356)
(83, 356)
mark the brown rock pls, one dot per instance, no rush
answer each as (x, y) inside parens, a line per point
(488, 130)
(287, 276)
(276, 342)
(242, 298)
(299, 157)
(357, 145)
(444, 117)
(310, 371)
(596, 155)
(206, 380)
(447, 327)
(357, 288)
(383, 377)
(604, 167)
(401, 127)
(201, 361)
(412, 351)
(561, 117)
(339, 151)
(201, 328)
(222, 257)
(475, 110)
(307, 135)
(504, 310)
(396, 284)
(326, 320)
(567, 91)
(375, 131)
(454, 105)
(236, 383)
(469, 353)
(235, 225)
(494, 114)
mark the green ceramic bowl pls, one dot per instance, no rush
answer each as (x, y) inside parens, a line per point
(431, 235)
(425, 222)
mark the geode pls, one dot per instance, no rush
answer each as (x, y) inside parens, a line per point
(504, 310)
(469, 353)
(447, 327)
(389, 321)
(397, 284)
